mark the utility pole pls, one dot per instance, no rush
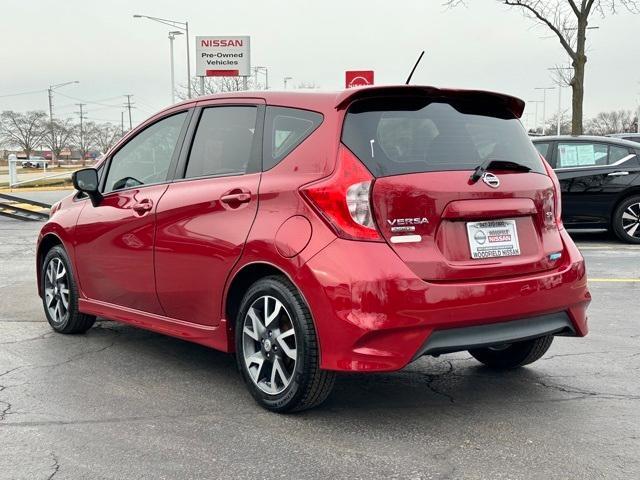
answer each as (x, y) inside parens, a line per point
(122, 122)
(129, 106)
(82, 142)
(544, 105)
(535, 121)
(286, 80)
(172, 36)
(51, 127)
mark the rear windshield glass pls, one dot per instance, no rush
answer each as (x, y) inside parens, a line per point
(394, 136)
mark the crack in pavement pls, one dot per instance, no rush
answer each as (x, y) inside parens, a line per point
(588, 393)
(5, 410)
(30, 339)
(55, 466)
(574, 354)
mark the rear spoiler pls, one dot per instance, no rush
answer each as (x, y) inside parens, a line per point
(512, 104)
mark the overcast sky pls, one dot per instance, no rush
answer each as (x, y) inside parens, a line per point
(484, 46)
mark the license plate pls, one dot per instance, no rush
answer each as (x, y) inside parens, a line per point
(493, 238)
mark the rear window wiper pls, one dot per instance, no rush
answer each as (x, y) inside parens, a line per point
(498, 164)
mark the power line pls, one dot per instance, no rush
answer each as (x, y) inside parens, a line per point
(23, 93)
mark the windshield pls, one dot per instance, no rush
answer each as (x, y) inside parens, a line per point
(394, 136)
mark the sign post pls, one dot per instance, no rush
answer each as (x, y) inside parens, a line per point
(223, 56)
(358, 78)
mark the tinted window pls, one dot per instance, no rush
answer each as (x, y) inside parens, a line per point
(617, 153)
(285, 129)
(145, 158)
(394, 136)
(581, 154)
(223, 142)
(543, 148)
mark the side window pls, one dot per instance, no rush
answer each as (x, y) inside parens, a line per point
(617, 153)
(285, 129)
(578, 154)
(223, 142)
(543, 149)
(146, 157)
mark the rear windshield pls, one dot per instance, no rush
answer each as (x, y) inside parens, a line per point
(394, 136)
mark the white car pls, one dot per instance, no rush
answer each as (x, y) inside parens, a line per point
(34, 162)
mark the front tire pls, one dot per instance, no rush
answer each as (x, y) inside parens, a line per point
(277, 348)
(626, 220)
(60, 294)
(513, 355)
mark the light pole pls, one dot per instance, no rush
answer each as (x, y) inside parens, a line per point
(184, 26)
(286, 79)
(544, 105)
(266, 76)
(51, 127)
(560, 82)
(535, 122)
(172, 36)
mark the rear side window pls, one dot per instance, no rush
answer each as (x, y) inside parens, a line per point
(223, 143)
(285, 129)
(543, 148)
(395, 136)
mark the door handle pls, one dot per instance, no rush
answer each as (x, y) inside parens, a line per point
(143, 206)
(242, 197)
(617, 174)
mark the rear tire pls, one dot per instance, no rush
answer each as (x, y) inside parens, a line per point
(275, 332)
(60, 294)
(513, 355)
(626, 220)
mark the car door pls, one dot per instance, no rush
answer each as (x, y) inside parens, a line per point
(114, 239)
(592, 175)
(203, 219)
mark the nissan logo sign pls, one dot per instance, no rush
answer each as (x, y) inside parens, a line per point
(491, 180)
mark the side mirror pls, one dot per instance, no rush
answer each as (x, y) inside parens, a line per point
(86, 181)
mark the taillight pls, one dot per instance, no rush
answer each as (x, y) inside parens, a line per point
(557, 203)
(344, 199)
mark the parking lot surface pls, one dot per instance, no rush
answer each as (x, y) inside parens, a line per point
(120, 402)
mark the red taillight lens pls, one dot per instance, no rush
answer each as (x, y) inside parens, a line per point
(557, 203)
(343, 199)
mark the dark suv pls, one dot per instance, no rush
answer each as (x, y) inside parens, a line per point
(600, 182)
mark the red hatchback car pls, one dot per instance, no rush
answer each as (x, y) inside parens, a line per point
(315, 233)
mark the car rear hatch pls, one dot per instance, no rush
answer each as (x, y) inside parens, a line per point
(444, 222)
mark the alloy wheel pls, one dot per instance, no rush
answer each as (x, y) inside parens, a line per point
(269, 345)
(56, 291)
(631, 220)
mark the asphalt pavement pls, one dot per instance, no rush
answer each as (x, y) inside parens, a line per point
(120, 403)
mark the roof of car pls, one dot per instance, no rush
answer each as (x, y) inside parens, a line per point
(624, 135)
(588, 138)
(319, 100)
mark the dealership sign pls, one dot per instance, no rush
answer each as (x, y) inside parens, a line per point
(223, 56)
(358, 78)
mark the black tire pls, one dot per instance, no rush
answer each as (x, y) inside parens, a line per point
(630, 206)
(309, 386)
(514, 355)
(71, 321)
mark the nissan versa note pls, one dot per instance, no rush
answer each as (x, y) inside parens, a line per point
(315, 233)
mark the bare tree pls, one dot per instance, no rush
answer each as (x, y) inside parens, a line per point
(565, 123)
(63, 133)
(213, 85)
(23, 130)
(618, 121)
(568, 20)
(85, 139)
(105, 136)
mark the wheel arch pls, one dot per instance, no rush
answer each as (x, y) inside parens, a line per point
(629, 192)
(48, 241)
(246, 276)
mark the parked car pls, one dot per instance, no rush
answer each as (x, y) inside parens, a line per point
(315, 233)
(600, 182)
(632, 137)
(34, 162)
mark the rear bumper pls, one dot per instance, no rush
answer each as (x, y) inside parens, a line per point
(373, 314)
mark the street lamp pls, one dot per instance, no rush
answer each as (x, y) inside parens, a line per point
(286, 79)
(535, 122)
(172, 36)
(184, 26)
(51, 127)
(544, 104)
(266, 76)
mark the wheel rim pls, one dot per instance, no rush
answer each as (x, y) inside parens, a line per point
(269, 345)
(631, 220)
(56, 290)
